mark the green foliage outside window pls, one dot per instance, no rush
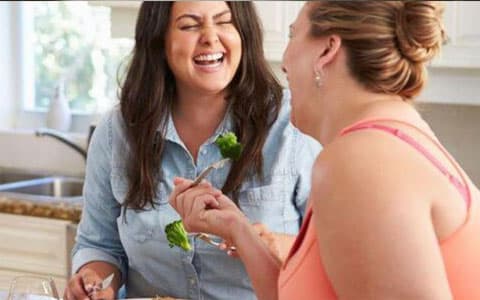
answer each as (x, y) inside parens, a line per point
(72, 43)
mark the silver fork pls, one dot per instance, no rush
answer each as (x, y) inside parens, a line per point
(206, 238)
(107, 281)
(216, 165)
(104, 284)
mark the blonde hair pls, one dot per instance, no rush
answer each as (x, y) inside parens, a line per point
(388, 42)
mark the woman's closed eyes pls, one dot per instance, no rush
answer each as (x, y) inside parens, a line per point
(191, 27)
(190, 22)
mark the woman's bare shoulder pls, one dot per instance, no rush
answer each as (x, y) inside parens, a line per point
(365, 198)
(358, 168)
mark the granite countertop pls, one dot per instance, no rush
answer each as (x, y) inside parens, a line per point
(46, 209)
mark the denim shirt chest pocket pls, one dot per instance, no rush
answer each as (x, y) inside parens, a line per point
(268, 203)
(119, 182)
(142, 232)
(148, 252)
(140, 225)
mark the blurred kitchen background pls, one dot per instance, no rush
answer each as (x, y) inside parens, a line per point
(77, 49)
(60, 63)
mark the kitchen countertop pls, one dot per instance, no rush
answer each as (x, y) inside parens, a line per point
(52, 210)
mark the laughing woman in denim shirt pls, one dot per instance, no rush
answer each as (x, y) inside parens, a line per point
(197, 71)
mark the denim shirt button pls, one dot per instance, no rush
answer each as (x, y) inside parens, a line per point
(141, 238)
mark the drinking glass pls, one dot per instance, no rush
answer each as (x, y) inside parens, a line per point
(32, 288)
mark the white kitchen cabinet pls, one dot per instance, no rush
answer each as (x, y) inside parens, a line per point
(454, 75)
(461, 21)
(35, 246)
(462, 24)
(276, 16)
(123, 17)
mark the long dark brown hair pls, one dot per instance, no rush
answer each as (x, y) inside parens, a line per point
(148, 92)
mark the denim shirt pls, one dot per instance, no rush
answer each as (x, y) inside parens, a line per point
(139, 248)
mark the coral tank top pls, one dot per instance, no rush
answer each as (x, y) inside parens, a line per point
(303, 276)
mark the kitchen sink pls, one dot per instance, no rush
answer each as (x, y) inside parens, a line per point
(7, 176)
(55, 187)
(41, 195)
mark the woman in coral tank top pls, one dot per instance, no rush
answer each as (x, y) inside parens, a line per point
(391, 214)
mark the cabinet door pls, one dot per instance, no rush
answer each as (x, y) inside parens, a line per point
(462, 24)
(276, 16)
(34, 245)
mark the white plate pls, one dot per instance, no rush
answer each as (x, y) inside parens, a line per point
(153, 298)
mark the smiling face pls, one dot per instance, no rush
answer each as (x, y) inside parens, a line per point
(298, 63)
(203, 47)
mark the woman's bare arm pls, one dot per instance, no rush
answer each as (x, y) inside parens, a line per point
(374, 224)
(205, 209)
(262, 265)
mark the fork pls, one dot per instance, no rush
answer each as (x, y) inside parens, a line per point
(216, 165)
(104, 284)
(206, 238)
(107, 281)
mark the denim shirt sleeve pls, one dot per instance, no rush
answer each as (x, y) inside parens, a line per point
(97, 234)
(306, 151)
(279, 200)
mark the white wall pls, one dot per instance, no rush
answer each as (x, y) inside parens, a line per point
(6, 79)
(449, 85)
(444, 85)
(23, 150)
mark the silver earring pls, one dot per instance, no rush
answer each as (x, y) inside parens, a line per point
(318, 78)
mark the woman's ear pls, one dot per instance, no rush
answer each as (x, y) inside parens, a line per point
(331, 46)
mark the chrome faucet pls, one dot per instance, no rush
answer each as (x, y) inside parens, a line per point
(62, 138)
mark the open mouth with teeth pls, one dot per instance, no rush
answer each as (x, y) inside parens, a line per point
(209, 59)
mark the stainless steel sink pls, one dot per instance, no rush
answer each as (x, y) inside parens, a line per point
(41, 195)
(56, 187)
(55, 190)
(8, 176)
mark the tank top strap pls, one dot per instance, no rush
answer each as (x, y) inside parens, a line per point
(464, 188)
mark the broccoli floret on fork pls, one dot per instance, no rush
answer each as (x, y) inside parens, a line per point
(177, 235)
(229, 146)
(230, 149)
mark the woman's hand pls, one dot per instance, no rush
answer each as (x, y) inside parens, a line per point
(266, 235)
(84, 286)
(204, 208)
(279, 244)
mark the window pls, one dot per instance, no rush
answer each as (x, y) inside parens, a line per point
(70, 43)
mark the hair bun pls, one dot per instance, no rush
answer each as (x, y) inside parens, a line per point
(419, 30)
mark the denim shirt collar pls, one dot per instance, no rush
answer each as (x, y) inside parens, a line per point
(225, 126)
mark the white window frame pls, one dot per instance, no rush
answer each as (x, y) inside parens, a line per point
(24, 26)
(27, 116)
